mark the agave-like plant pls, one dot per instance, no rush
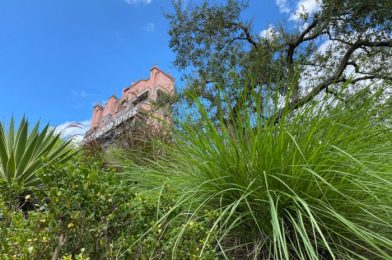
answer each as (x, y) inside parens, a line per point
(24, 152)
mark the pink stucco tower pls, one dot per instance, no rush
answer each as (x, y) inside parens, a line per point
(97, 116)
(138, 98)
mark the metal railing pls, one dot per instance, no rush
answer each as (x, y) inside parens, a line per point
(110, 124)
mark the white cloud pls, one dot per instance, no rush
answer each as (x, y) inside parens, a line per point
(73, 130)
(150, 27)
(305, 7)
(283, 6)
(269, 33)
(324, 46)
(138, 1)
(82, 93)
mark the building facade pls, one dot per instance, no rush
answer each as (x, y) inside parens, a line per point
(138, 102)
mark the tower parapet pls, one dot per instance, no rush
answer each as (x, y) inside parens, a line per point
(136, 101)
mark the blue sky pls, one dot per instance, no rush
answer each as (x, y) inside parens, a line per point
(59, 57)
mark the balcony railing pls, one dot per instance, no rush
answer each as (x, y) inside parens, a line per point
(110, 124)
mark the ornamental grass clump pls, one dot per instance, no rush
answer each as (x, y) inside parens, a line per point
(311, 184)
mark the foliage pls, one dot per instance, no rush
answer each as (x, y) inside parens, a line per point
(24, 153)
(90, 205)
(87, 212)
(315, 185)
(316, 54)
(139, 143)
(309, 185)
(157, 221)
(25, 239)
(234, 183)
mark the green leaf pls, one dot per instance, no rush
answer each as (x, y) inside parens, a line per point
(41, 139)
(10, 136)
(3, 150)
(11, 167)
(27, 157)
(21, 140)
(33, 133)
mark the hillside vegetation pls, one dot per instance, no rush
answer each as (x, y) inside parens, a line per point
(313, 185)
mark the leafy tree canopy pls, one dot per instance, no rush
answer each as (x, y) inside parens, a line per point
(338, 41)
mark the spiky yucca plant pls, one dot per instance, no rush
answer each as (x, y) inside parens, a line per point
(24, 152)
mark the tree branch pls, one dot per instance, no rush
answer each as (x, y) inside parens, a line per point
(376, 44)
(233, 40)
(248, 35)
(301, 38)
(336, 78)
(339, 40)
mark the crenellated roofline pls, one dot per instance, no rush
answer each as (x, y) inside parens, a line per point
(141, 97)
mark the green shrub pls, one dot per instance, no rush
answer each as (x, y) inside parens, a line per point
(314, 185)
(86, 211)
(156, 223)
(90, 205)
(26, 239)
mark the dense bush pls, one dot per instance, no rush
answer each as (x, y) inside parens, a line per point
(25, 239)
(74, 206)
(89, 205)
(155, 226)
(312, 185)
(85, 211)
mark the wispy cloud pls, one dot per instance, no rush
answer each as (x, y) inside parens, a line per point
(73, 130)
(269, 33)
(305, 7)
(150, 27)
(283, 6)
(79, 93)
(133, 2)
(296, 8)
(324, 46)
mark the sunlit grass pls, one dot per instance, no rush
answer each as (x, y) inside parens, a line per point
(316, 184)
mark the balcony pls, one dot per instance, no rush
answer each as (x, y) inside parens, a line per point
(110, 123)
